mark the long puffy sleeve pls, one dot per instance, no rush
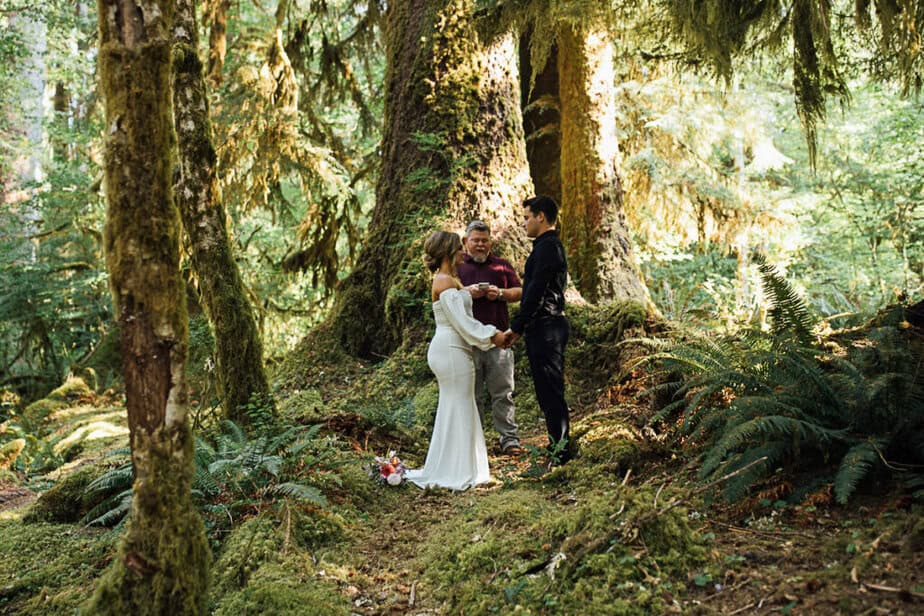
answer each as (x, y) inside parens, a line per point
(472, 330)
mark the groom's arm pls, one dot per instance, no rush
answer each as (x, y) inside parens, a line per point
(546, 265)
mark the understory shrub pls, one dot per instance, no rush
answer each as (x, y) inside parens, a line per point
(849, 406)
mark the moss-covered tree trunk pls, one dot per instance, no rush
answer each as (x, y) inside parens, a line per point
(541, 120)
(452, 149)
(238, 347)
(593, 225)
(161, 566)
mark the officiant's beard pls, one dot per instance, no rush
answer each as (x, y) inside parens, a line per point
(479, 260)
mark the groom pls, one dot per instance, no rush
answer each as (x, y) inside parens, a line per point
(541, 319)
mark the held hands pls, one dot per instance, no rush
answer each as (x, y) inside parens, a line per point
(504, 340)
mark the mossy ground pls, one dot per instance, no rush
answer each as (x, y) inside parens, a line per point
(600, 535)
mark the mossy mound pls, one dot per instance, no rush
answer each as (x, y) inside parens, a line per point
(595, 354)
(66, 501)
(474, 563)
(264, 566)
(617, 551)
(607, 323)
(9, 452)
(291, 586)
(302, 407)
(73, 391)
(46, 569)
(318, 362)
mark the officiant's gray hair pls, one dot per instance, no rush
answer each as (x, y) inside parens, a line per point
(477, 225)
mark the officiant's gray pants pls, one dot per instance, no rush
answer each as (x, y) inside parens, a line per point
(494, 372)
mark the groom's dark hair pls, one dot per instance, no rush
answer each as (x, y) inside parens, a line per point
(544, 204)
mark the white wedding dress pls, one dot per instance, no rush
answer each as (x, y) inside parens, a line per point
(457, 458)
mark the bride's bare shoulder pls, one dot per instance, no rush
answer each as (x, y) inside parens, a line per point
(442, 282)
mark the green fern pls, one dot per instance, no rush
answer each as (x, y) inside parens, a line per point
(235, 473)
(789, 313)
(855, 465)
(782, 395)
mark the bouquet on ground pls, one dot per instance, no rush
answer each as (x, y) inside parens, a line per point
(389, 470)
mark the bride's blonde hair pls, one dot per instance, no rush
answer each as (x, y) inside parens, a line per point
(440, 245)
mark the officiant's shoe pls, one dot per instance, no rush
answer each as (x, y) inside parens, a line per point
(514, 451)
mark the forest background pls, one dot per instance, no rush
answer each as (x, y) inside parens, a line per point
(722, 155)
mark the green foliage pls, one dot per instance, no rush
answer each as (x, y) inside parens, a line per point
(781, 399)
(55, 299)
(236, 474)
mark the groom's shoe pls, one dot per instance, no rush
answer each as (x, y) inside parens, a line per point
(514, 451)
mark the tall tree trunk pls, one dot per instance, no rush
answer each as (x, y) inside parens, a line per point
(541, 120)
(218, 39)
(238, 347)
(161, 567)
(61, 104)
(593, 225)
(452, 150)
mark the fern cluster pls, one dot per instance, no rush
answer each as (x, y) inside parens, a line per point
(852, 407)
(236, 474)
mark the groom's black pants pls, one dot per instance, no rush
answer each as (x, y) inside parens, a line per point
(545, 347)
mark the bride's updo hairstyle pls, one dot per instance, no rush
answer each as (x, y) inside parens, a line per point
(440, 245)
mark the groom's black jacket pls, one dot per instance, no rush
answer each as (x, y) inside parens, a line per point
(543, 282)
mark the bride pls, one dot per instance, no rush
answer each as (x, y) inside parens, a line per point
(457, 458)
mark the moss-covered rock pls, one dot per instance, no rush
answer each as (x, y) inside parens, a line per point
(9, 452)
(66, 501)
(72, 391)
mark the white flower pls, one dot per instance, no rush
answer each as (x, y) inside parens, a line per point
(394, 479)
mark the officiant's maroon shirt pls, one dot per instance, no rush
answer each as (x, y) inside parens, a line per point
(498, 272)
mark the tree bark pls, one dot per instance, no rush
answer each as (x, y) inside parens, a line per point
(541, 120)
(593, 225)
(238, 347)
(161, 567)
(452, 150)
(218, 39)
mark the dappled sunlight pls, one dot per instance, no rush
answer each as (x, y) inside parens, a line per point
(89, 432)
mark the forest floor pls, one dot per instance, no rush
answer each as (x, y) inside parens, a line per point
(622, 529)
(764, 557)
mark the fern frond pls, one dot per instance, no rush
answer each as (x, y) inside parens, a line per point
(300, 492)
(769, 428)
(739, 485)
(855, 465)
(118, 478)
(233, 432)
(789, 313)
(110, 510)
